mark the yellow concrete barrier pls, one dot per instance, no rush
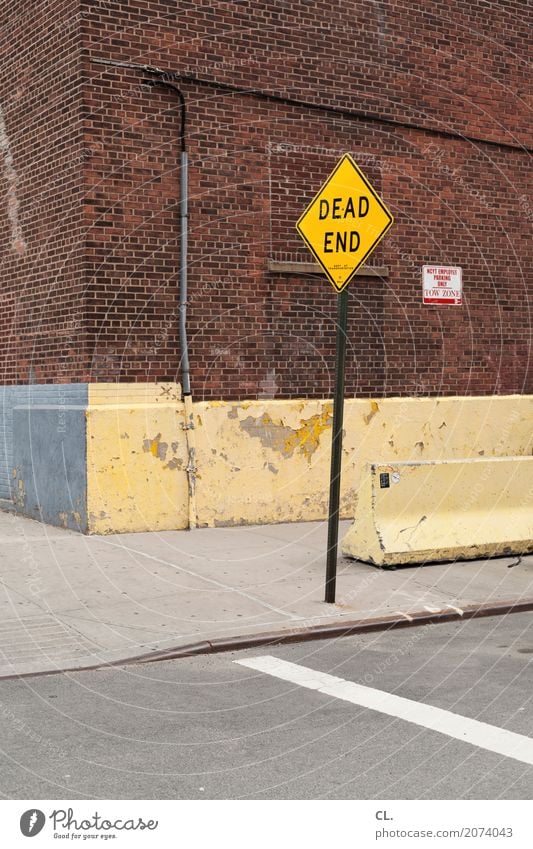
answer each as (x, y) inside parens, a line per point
(266, 461)
(414, 512)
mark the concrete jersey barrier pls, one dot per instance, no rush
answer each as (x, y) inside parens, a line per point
(415, 512)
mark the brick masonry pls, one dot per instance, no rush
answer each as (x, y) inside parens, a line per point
(89, 183)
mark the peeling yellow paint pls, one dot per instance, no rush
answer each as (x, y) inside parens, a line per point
(268, 460)
(192, 466)
(272, 434)
(19, 493)
(286, 440)
(262, 461)
(175, 463)
(142, 489)
(307, 437)
(156, 447)
(374, 408)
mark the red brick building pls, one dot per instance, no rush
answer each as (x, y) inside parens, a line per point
(431, 99)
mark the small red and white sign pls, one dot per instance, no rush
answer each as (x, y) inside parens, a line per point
(442, 284)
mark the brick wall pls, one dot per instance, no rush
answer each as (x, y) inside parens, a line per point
(41, 160)
(452, 68)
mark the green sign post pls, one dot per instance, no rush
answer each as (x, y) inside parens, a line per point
(341, 227)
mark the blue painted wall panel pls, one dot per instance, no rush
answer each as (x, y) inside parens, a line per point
(50, 464)
(37, 395)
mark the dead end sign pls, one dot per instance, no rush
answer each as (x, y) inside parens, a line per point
(344, 222)
(341, 227)
(442, 284)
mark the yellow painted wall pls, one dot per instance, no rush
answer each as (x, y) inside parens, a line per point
(262, 461)
(268, 461)
(136, 458)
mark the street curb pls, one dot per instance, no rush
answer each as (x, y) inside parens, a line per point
(346, 629)
(284, 636)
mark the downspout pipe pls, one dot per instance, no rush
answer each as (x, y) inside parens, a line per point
(164, 78)
(165, 81)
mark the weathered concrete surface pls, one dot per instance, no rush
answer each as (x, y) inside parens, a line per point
(443, 510)
(262, 462)
(37, 395)
(208, 728)
(268, 461)
(49, 474)
(253, 462)
(71, 600)
(136, 458)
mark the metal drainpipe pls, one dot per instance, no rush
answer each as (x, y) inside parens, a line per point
(183, 214)
(163, 78)
(188, 425)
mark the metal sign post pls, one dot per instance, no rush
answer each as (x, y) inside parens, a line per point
(336, 447)
(341, 227)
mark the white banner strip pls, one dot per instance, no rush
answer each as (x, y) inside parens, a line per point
(265, 824)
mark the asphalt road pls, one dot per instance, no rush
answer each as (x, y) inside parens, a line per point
(209, 727)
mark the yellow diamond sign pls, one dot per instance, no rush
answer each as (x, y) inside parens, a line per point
(344, 222)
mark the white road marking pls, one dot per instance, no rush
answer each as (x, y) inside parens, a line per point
(471, 731)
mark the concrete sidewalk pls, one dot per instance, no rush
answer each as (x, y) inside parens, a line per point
(73, 601)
